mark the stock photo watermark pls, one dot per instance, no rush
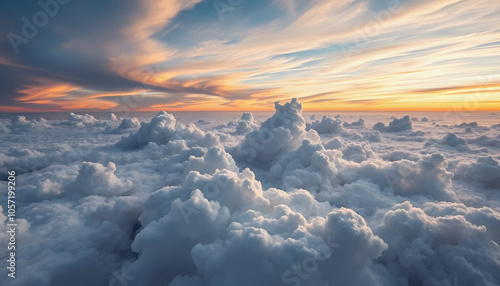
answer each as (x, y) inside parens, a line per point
(463, 110)
(455, 282)
(257, 141)
(223, 7)
(381, 19)
(120, 279)
(30, 26)
(11, 223)
(138, 93)
(211, 191)
(395, 177)
(302, 271)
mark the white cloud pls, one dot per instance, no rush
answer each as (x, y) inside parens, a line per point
(284, 131)
(129, 123)
(485, 170)
(310, 167)
(327, 125)
(246, 124)
(395, 125)
(435, 249)
(177, 204)
(96, 179)
(164, 128)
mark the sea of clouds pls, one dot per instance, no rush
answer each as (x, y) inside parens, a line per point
(287, 200)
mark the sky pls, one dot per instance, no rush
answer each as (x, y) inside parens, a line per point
(242, 55)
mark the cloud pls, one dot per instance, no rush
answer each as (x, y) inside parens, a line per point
(485, 170)
(275, 255)
(310, 167)
(335, 143)
(396, 125)
(246, 124)
(76, 120)
(426, 177)
(284, 131)
(400, 155)
(172, 203)
(357, 152)
(359, 123)
(129, 123)
(421, 244)
(181, 55)
(96, 179)
(20, 124)
(162, 129)
(485, 140)
(453, 140)
(214, 159)
(327, 125)
(373, 136)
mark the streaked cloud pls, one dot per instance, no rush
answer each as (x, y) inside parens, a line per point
(179, 55)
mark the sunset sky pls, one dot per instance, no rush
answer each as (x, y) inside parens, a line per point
(118, 55)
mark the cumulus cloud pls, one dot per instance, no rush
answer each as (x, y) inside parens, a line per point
(96, 179)
(129, 123)
(395, 125)
(464, 125)
(288, 203)
(436, 250)
(373, 136)
(357, 152)
(359, 123)
(77, 120)
(162, 129)
(284, 131)
(311, 167)
(327, 125)
(400, 155)
(485, 140)
(246, 124)
(335, 143)
(485, 170)
(20, 124)
(451, 140)
(427, 177)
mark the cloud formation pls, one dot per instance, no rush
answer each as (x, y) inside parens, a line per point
(168, 203)
(395, 125)
(192, 55)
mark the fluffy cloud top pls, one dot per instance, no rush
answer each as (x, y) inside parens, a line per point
(20, 124)
(451, 139)
(77, 120)
(246, 124)
(395, 125)
(96, 179)
(129, 123)
(359, 123)
(284, 131)
(485, 170)
(327, 125)
(162, 129)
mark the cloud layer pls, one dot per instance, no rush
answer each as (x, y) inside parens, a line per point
(278, 201)
(244, 55)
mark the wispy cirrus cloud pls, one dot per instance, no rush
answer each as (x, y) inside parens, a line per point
(342, 53)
